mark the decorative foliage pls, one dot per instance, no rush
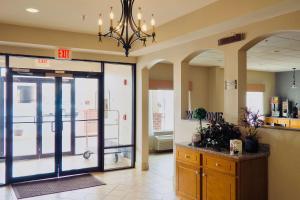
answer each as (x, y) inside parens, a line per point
(200, 114)
(251, 121)
(218, 135)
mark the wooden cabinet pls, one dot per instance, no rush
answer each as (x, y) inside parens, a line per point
(295, 123)
(284, 122)
(188, 181)
(205, 175)
(188, 174)
(218, 186)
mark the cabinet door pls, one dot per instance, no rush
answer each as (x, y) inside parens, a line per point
(218, 186)
(187, 181)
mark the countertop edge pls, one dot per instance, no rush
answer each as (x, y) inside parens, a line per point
(245, 156)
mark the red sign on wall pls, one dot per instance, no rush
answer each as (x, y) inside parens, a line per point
(64, 54)
(41, 62)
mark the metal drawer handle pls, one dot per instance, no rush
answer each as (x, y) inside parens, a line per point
(217, 165)
(203, 174)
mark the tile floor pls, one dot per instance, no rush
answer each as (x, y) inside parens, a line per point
(133, 184)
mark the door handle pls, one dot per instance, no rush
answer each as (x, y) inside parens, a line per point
(52, 127)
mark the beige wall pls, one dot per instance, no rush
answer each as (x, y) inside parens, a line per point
(207, 88)
(161, 71)
(199, 77)
(284, 163)
(212, 81)
(266, 78)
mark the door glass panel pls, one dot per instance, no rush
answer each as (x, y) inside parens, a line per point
(83, 137)
(118, 114)
(118, 157)
(66, 116)
(2, 119)
(27, 122)
(48, 117)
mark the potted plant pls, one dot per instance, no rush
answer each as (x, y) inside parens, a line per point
(251, 121)
(199, 114)
(218, 135)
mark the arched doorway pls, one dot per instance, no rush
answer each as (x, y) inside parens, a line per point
(270, 59)
(270, 65)
(161, 118)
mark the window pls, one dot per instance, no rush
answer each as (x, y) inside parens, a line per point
(161, 109)
(2, 119)
(118, 116)
(255, 102)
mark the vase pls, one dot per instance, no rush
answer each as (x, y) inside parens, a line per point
(251, 145)
(196, 138)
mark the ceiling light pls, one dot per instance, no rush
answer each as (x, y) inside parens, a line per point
(127, 31)
(32, 10)
(294, 79)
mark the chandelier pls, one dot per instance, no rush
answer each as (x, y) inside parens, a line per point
(126, 31)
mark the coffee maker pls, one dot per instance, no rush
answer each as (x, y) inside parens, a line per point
(286, 108)
(275, 107)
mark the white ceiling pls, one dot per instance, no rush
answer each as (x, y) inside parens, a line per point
(67, 14)
(209, 58)
(277, 53)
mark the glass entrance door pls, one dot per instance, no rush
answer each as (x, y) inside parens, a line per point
(33, 119)
(54, 125)
(80, 123)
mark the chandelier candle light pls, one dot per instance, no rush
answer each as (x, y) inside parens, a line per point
(127, 31)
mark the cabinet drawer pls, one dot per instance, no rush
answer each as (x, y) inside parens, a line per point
(219, 164)
(188, 156)
(284, 122)
(271, 120)
(295, 123)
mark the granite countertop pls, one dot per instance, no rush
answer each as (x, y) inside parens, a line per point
(264, 151)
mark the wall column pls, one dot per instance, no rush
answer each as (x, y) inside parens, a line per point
(142, 143)
(235, 69)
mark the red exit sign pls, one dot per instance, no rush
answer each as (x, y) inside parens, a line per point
(64, 54)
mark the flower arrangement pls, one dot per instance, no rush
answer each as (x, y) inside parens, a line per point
(251, 121)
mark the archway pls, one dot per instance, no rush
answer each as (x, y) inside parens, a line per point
(202, 82)
(161, 117)
(270, 59)
(270, 63)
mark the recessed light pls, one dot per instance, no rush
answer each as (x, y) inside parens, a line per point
(32, 10)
